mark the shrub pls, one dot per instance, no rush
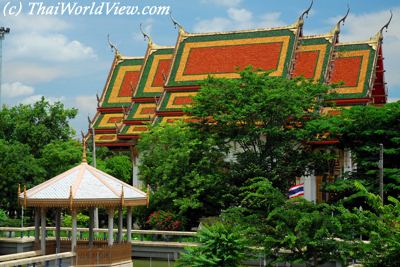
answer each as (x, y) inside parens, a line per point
(82, 220)
(165, 221)
(221, 246)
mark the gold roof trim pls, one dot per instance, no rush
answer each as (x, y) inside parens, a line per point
(55, 203)
(373, 42)
(327, 36)
(293, 27)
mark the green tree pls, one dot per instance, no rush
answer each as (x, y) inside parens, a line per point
(25, 132)
(313, 234)
(362, 129)
(82, 220)
(184, 170)
(119, 166)
(36, 125)
(264, 117)
(298, 231)
(17, 166)
(59, 156)
(383, 248)
(221, 245)
(258, 198)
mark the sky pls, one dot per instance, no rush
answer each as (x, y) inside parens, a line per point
(67, 58)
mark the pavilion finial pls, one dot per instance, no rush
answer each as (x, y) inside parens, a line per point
(84, 159)
(386, 26)
(25, 196)
(306, 12)
(336, 29)
(146, 36)
(176, 23)
(113, 47)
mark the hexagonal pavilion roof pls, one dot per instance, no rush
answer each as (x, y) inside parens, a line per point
(83, 186)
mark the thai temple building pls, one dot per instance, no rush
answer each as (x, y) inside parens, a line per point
(155, 88)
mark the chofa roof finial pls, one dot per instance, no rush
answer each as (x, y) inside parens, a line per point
(89, 122)
(306, 12)
(146, 36)
(386, 26)
(336, 29)
(176, 23)
(113, 47)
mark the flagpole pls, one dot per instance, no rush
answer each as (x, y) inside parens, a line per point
(381, 172)
(3, 32)
(94, 164)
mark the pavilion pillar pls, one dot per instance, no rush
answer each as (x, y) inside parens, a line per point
(58, 231)
(43, 231)
(120, 224)
(96, 218)
(110, 226)
(37, 225)
(91, 225)
(129, 223)
(74, 230)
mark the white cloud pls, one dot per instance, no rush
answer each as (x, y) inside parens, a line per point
(37, 23)
(35, 98)
(36, 48)
(147, 27)
(48, 47)
(40, 38)
(213, 25)
(270, 20)
(31, 73)
(394, 99)
(16, 89)
(240, 14)
(31, 99)
(85, 104)
(224, 3)
(239, 19)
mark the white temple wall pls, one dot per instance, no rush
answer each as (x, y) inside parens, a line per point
(135, 172)
(348, 165)
(310, 187)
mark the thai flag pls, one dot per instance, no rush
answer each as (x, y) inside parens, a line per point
(296, 191)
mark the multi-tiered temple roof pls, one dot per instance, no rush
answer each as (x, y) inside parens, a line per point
(156, 88)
